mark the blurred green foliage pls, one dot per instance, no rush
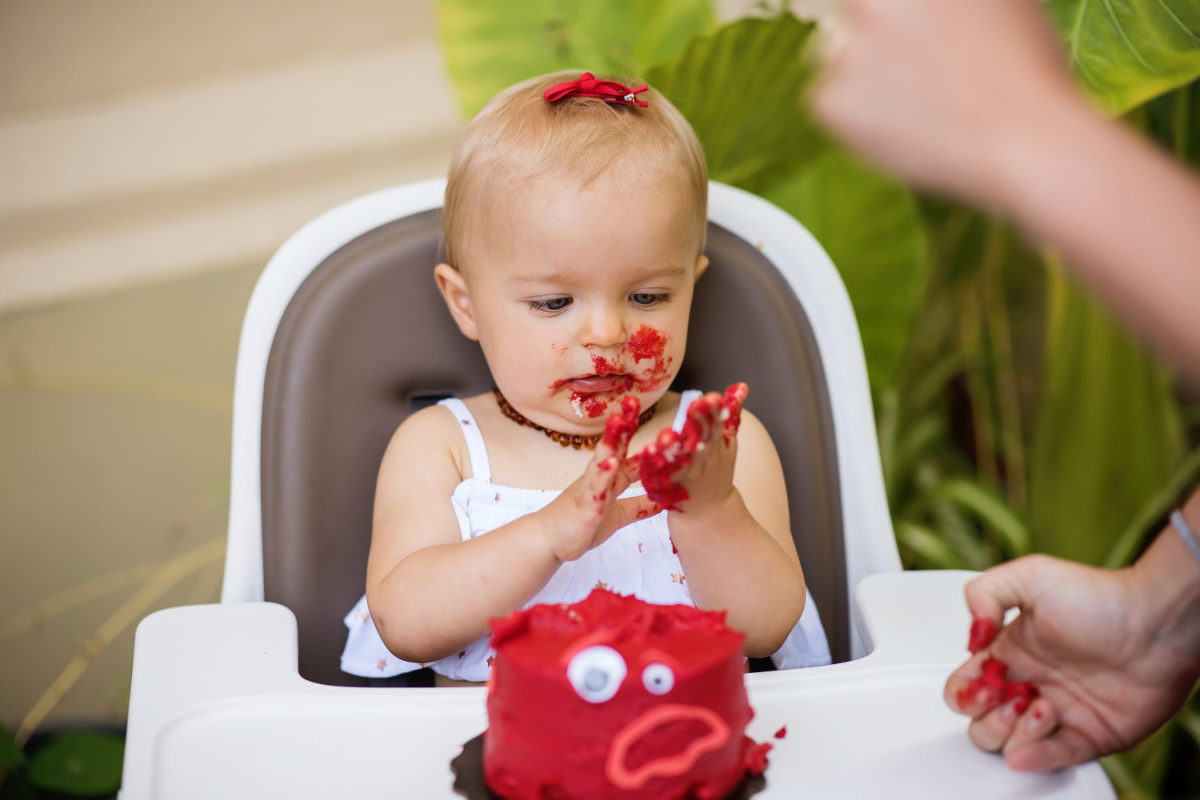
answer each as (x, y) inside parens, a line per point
(80, 763)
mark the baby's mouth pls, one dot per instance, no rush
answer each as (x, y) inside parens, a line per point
(595, 384)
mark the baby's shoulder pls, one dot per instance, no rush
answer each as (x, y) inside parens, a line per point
(431, 434)
(434, 420)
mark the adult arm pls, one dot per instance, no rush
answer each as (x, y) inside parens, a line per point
(974, 100)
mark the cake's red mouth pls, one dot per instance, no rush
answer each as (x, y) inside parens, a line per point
(715, 735)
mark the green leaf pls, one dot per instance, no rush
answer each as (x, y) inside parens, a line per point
(78, 763)
(1170, 120)
(742, 90)
(10, 754)
(17, 787)
(870, 227)
(984, 504)
(1189, 721)
(489, 46)
(1125, 777)
(1107, 435)
(926, 547)
(1128, 543)
(1128, 51)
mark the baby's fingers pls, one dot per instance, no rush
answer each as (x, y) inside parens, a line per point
(620, 427)
(632, 509)
(731, 409)
(600, 478)
(701, 418)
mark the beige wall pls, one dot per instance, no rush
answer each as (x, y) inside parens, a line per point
(152, 156)
(143, 140)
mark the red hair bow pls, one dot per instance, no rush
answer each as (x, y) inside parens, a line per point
(587, 86)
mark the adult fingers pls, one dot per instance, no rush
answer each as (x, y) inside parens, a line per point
(1037, 723)
(1062, 748)
(992, 731)
(999, 588)
(962, 694)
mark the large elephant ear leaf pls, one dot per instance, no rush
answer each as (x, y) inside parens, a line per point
(742, 90)
(872, 231)
(1128, 51)
(489, 46)
(1108, 432)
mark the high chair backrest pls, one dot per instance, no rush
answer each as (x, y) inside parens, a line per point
(346, 334)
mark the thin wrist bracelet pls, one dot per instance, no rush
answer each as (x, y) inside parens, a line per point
(1186, 533)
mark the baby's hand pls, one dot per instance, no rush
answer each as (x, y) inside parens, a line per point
(695, 467)
(588, 511)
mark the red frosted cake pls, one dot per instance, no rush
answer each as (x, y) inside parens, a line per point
(612, 697)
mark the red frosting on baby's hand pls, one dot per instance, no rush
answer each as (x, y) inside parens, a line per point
(731, 409)
(657, 463)
(672, 452)
(620, 427)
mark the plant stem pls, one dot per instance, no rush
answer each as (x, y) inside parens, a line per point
(1004, 375)
(131, 611)
(77, 595)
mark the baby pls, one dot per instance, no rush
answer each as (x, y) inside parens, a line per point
(574, 221)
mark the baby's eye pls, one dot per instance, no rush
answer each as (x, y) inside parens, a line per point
(647, 298)
(552, 304)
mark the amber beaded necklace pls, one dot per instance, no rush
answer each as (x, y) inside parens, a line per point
(576, 440)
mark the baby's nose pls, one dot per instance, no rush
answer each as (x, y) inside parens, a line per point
(604, 328)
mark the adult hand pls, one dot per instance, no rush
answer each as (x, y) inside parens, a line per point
(937, 91)
(1100, 645)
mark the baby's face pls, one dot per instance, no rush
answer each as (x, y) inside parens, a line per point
(581, 295)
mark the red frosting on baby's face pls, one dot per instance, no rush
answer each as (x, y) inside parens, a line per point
(623, 698)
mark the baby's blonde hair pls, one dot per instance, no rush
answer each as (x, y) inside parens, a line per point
(520, 136)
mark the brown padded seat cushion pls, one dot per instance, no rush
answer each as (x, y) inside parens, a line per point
(367, 339)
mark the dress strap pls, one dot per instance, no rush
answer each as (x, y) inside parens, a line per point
(685, 400)
(480, 468)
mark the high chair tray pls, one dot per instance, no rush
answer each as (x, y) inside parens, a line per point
(218, 711)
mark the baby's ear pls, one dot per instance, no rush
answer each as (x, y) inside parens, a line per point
(701, 265)
(454, 291)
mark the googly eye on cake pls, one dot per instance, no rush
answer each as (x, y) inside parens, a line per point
(613, 697)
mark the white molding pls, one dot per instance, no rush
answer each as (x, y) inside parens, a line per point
(208, 175)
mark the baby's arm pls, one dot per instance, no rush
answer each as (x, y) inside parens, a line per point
(734, 536)
(431, 593)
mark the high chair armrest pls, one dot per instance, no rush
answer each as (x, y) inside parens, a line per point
(218, 710)
(191, 655)
(914, 617)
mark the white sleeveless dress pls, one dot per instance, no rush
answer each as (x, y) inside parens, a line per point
(638, 559)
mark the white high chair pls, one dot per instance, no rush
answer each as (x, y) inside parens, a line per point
(344, 336)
